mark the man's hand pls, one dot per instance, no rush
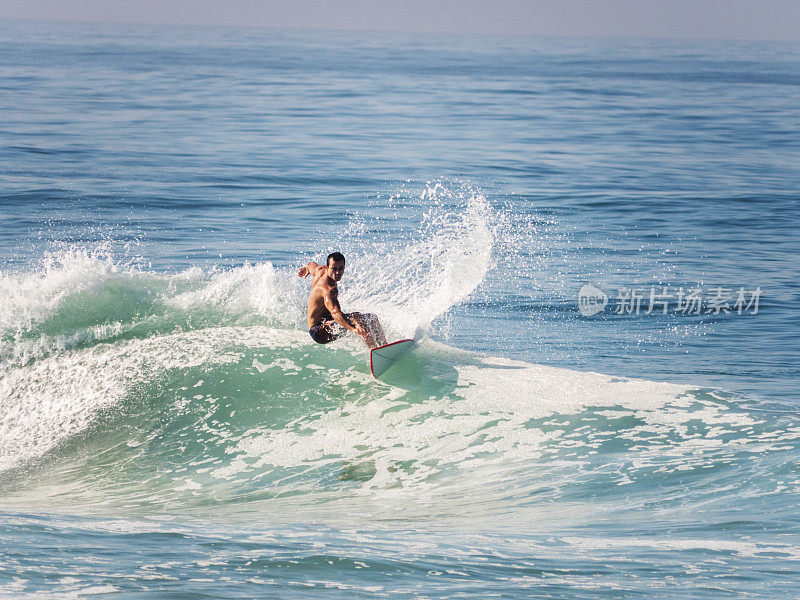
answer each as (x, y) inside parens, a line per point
(310, 269)
(359, 329)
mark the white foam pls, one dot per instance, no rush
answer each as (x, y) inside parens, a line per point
(59, 396)
(247, 290)
(27, 298)
(482, 423)
(742, 548)
(410, 283)
(30, 298)
(99, 287)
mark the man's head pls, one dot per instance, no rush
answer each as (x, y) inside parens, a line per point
(335, 265)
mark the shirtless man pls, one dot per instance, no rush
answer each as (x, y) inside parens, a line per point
(326, 321)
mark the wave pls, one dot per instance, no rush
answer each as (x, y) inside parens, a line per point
(77, 330)
(243, 415)
(122, 386)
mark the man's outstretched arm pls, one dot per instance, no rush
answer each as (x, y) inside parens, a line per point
(310, 269)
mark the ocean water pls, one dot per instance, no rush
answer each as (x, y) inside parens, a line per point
(169, 429)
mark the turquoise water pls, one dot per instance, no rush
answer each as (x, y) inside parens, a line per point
(170, 430)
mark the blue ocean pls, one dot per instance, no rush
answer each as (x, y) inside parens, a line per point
(599, 239)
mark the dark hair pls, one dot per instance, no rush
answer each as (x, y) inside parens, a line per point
(336, 256)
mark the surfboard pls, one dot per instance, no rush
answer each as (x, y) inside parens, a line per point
(382, 358)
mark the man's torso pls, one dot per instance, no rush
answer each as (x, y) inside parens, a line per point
(317, 311)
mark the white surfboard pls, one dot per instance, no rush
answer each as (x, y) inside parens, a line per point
(383, 357)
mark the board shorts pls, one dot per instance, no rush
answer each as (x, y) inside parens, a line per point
(326, 331)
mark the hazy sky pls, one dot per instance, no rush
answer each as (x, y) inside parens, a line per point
(711, 19)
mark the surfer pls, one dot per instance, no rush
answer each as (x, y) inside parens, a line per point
(326, 321)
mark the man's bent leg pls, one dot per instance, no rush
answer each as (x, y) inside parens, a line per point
(375, 326)
(375, 336)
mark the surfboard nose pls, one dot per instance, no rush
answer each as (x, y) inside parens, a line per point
(382, 358)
